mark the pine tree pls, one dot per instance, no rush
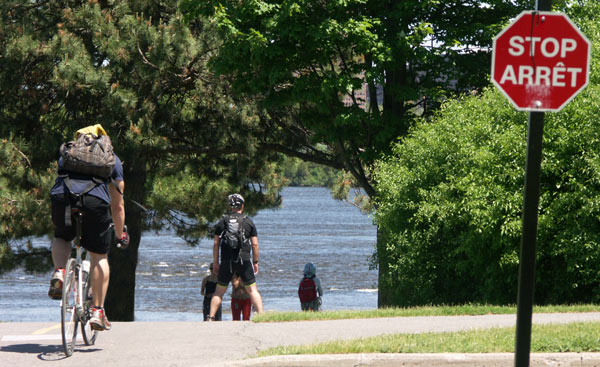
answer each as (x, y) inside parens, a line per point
(139, 70)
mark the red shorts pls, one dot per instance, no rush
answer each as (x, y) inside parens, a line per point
(243, 306)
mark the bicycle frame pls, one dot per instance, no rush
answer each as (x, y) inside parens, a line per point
(79, 267)
(76, 285)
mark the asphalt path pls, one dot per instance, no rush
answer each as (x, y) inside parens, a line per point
(190, 344)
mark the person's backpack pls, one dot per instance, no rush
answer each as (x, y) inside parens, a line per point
(307, 291)
(89, 154)
(233, 237)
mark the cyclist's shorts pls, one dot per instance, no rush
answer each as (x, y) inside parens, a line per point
(97, 232)
(245, 270)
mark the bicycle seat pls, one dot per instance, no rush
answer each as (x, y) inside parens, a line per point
(76, 214)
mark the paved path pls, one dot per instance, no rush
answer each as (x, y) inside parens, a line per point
(191, 344)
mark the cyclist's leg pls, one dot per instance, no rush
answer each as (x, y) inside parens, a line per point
(97, 236)
(99, 281)
(60, 247)
(223, 279)
(219, 314)
(216, 300)
(100, 277)
(255, 297)
(249, 280)
(61, 251)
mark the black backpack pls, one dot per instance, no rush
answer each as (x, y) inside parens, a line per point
(233, 237)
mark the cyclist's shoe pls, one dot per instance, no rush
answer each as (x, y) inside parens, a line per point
(56, 284)
(98, 321)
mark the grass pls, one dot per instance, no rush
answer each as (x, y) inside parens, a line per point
(551, 338)
(469, 309)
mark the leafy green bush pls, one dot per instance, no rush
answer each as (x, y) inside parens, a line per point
(450, 201)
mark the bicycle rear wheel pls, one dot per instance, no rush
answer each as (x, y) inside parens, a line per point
(69, 318)
(89, 334)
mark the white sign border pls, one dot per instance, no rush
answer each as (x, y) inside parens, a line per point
(587, 74)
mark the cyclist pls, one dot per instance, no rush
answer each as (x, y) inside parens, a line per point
(230, 263)
(101, 206)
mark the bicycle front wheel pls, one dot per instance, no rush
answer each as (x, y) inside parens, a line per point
(69, 316)
(89, 334)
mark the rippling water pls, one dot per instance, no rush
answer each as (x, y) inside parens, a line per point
(310, 226)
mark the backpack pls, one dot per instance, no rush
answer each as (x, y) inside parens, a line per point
(307, 291)
(89, 154)
(233, 237)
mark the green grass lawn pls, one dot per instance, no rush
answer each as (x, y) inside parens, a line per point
(552, 338)
(470, 309)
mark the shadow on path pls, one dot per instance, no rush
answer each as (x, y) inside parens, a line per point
(44, 352)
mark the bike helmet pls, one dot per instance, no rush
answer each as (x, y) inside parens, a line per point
(309, 270)
(235, 200)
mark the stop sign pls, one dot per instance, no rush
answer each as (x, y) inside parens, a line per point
(540, 61)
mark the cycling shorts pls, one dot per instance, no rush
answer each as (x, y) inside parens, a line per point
(97, 232)
(228, 268)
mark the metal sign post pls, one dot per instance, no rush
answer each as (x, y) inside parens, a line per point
(529, 238)
(529, 235)
(539, 62)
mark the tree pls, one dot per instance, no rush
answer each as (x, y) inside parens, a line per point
(301, 173)
(138, 69)
(450, 200)
(301, 58)
(23, 196)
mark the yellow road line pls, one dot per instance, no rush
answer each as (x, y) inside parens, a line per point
(45, 330)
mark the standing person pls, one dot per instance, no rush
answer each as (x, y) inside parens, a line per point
(236, 237)
(240, 300)
(102, 206)
(209, 285)
(309, 290)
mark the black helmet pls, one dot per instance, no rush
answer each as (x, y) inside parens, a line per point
(235, 200)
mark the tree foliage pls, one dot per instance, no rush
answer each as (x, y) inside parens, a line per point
(23, 199)
(300, 58)
(138, 69)
(301, 173)
(450, 201)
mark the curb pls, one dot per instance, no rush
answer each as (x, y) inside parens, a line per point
(416, 360)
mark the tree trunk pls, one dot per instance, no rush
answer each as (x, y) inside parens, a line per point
(120, 299)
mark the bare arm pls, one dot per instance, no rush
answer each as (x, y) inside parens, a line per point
(255, 257)
(117, 207)
(216, 254)
(319, 289)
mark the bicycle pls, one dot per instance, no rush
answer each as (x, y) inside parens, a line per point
(76, 301)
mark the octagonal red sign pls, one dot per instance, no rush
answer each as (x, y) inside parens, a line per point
(541, 61)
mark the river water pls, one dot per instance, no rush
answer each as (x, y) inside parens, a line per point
(309, 226)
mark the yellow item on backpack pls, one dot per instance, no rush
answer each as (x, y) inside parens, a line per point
(92, 129)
